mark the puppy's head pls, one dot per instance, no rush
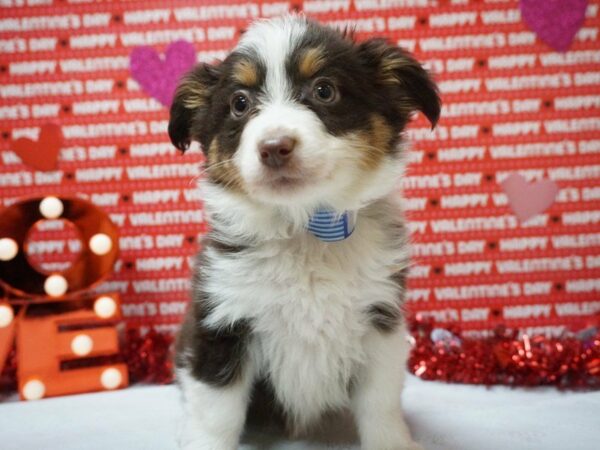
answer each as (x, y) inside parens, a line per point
(301, 113)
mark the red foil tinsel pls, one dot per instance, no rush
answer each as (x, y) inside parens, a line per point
(149, 356)
(570, 362)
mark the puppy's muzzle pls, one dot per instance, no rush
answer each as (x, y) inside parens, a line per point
(276, 152)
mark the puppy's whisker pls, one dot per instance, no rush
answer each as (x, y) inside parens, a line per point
(359, 152)
(208, 167)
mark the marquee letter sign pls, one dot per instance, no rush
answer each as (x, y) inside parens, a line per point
(66, 335)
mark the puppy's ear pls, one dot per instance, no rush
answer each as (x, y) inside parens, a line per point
(192, 97)
(412, 86)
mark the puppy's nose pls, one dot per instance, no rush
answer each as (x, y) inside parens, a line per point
(276, 152)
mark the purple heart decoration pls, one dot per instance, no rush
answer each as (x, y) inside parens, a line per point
(556, 22)
(158, 77)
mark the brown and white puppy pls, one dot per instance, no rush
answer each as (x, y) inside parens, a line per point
(299, 118)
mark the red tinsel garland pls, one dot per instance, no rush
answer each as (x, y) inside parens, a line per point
(569, 362)
(149, 357)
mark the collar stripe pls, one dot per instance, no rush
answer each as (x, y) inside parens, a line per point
(331, 226)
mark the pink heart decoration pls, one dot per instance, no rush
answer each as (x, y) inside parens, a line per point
(43, 153)
(556, 22)
(159, 77)
(528, 199)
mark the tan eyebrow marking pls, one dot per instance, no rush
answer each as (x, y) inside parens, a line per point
(311, 61)
(246, 73)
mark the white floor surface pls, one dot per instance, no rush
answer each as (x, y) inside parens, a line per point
(442, 417)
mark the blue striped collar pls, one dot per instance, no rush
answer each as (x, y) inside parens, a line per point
(331, 226)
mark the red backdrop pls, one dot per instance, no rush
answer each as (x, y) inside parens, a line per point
(511, 104)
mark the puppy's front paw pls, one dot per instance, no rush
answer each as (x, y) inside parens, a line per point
(412, 446)
(396, 440)
(403, 445)
(203, 444)
(392, 434)
(204, 441)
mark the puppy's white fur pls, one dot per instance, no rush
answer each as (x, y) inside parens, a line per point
(214, 417)
(306, 299)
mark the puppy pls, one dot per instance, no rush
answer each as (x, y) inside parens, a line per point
(300, 282)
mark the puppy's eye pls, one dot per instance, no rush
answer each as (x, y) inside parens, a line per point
(324, 91)
(240, 104)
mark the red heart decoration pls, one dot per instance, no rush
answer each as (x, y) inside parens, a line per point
(43, 153)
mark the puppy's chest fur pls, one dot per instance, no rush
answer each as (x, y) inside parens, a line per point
(310, 304)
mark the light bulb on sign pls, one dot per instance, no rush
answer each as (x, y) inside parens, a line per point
(100, 244)
(6, 315)
(105, 307)
(82, 345)
(56, 285)
(8, 249)
(33, 390)
(51, 208)
(111, 378)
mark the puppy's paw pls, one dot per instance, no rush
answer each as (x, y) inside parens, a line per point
(206, 442)
(412, 446)
(399, 443)
(400, 446)
(203, 444)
